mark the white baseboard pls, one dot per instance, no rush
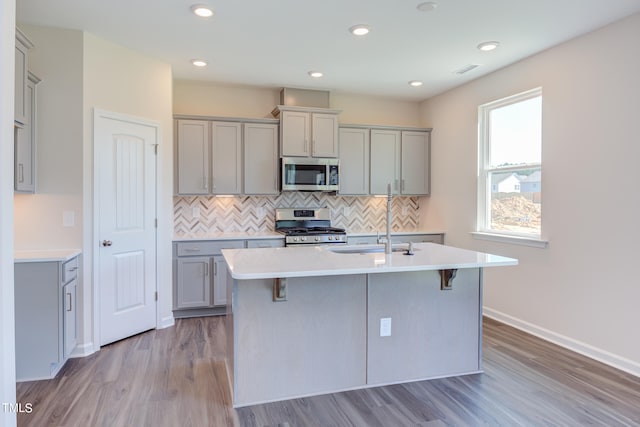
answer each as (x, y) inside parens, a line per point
(83, 350)
(167, 322)
(600, 355)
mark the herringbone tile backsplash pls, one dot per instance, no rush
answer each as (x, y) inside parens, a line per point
(194, 215)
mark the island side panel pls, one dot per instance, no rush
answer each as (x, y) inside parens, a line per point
(434, 333)
(313, 343)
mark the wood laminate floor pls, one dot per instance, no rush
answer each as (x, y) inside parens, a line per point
(177, 377)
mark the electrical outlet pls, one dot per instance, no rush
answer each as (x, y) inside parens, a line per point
(405, 211)
(385, 327)
(195, 212)
(260, 211)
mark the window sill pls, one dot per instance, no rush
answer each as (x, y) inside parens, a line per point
(516, 240)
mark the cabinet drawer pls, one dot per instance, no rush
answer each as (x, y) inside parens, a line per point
(265, 243)
(206, 247)
(70, 270)
(361, 240)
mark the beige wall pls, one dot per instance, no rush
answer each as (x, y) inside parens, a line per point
(81, 72)
(56, 59)
(581, 290)
(215, 99)
(119, 80)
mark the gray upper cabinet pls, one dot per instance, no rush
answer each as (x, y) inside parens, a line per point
(354, 161)
(23, 44)
(371, 157)
(226, 160)
(308, 132)
(415, 163)
(385, 161)
(192, 152)
(25, 143)
(233, 156)
(324, 135)
(261, 159)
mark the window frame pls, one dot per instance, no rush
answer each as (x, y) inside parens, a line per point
(483, 226)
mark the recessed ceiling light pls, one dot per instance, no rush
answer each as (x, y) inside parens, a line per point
(415, 83)
(427, 6)
(360, 30)
(202, 10)
(315, 74)
(199, 62)
(488, 46)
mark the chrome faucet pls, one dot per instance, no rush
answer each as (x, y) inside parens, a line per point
(387, 240)
(387, 243)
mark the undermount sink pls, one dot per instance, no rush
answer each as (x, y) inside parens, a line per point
(367, 249)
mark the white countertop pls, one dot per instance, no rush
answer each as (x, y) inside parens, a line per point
(228, 235)
(58, 255)
(269, 263)
(244, 235)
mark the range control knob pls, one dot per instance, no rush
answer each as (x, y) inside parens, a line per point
(317, 239)
(295, 239)
(330, 237)
(303, 239)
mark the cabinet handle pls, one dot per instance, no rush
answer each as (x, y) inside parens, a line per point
(395, 185)
(20, 172)
(403, 185)
(206, 270)
(70, 300)
(215, 269)
(204, 181)
(192, 249)
(306, 146)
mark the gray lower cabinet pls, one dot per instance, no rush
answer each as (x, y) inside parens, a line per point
(194, 282)
(200, 277)
(200, 274)
(46, 317)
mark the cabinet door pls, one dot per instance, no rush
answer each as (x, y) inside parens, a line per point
(415, 163)
(193, 285)
(70, 317)
(24, 139)
(324, 139)
(295, 133)
(226, 158)
(21, 67)
(193, 157)
(260, 158)
(219, 280)
(354, 161)
(385, 161)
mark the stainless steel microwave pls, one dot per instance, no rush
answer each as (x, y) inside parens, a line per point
(309, 174)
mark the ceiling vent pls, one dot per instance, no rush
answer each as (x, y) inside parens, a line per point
(466, 69)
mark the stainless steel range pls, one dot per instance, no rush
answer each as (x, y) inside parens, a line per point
(308, 226)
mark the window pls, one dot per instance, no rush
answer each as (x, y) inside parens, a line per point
(510, 166)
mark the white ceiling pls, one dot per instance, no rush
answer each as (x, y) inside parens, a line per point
(275, 44)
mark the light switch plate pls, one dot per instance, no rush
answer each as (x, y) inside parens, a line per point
(385, 327)
(68, 218)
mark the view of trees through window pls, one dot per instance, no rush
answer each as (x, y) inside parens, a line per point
(511, 165)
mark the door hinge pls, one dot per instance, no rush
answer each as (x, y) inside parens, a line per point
(156, 222)
(156, 295)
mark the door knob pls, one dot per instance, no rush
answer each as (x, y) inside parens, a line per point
(107, 243)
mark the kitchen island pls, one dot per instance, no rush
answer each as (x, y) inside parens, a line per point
(321, 319)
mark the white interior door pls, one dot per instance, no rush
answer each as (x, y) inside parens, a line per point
(125, 173)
